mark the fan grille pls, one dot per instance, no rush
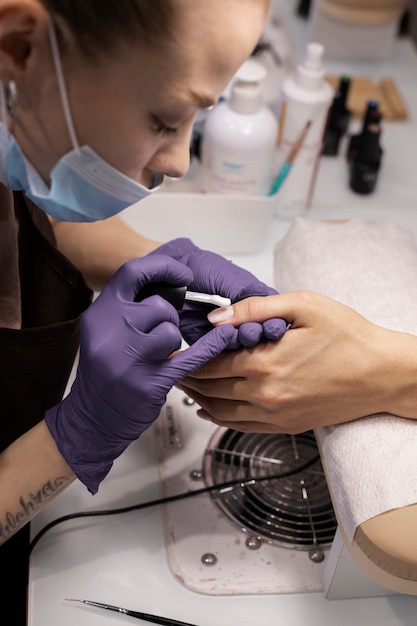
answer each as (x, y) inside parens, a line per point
(294, 511)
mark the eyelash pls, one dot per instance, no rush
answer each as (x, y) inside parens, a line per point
(159, 127)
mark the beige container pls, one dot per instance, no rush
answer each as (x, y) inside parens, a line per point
(355, 29)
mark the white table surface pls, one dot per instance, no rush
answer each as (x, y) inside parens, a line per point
(121, 559)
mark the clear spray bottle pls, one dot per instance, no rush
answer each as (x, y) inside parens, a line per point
(305, 101)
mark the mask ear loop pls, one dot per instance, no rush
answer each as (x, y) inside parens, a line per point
(62, 88)
(8, 101)
(3, 108)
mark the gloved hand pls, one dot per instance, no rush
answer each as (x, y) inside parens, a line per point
(124, 372)
(214, 274)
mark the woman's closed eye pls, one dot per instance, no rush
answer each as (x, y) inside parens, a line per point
(159, 127)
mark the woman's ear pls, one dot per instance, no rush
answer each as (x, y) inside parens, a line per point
(23, 25)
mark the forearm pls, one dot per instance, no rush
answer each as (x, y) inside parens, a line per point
(98, 249)
(32, 473)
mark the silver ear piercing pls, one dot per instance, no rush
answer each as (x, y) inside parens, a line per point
(11, 98)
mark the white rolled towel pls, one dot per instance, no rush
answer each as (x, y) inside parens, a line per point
(371, 463)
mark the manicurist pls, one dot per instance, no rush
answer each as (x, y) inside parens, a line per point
(97, 103)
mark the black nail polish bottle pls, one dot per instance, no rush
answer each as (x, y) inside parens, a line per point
(366, 163)
(338, 120)
(372, 113)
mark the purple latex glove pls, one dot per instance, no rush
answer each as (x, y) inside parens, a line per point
(124, 372)
(214, 274)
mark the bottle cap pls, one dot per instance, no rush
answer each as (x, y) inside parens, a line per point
(174, 294)
(311, 72)
(246, 96)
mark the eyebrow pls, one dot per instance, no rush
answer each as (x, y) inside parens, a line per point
(201, 100)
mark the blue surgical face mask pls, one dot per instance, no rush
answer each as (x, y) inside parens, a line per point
(84, 187)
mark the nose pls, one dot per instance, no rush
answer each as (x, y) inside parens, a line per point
(173, 158)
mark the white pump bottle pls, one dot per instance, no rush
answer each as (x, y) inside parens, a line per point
(238, 144)
(306, 98)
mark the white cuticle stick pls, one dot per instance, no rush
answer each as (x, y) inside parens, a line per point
(207, 298)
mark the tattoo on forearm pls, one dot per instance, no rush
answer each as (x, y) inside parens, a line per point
(28, 506)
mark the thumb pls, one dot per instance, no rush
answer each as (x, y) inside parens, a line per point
(291, 307)
(203, 350)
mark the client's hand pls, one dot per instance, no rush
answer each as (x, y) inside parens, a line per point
(214, 274)
(331, 366)
(126, 368)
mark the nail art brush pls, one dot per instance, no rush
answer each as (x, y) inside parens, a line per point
(176, 295)
(147, 617)
(288, 163)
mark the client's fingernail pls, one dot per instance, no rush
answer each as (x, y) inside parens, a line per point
(220, 315)
(204, 415)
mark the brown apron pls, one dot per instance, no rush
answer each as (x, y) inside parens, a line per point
(42, 296)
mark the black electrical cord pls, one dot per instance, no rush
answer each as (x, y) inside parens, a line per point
(157, 502)
(167, 499)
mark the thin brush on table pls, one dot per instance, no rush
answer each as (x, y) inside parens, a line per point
(147, 617)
